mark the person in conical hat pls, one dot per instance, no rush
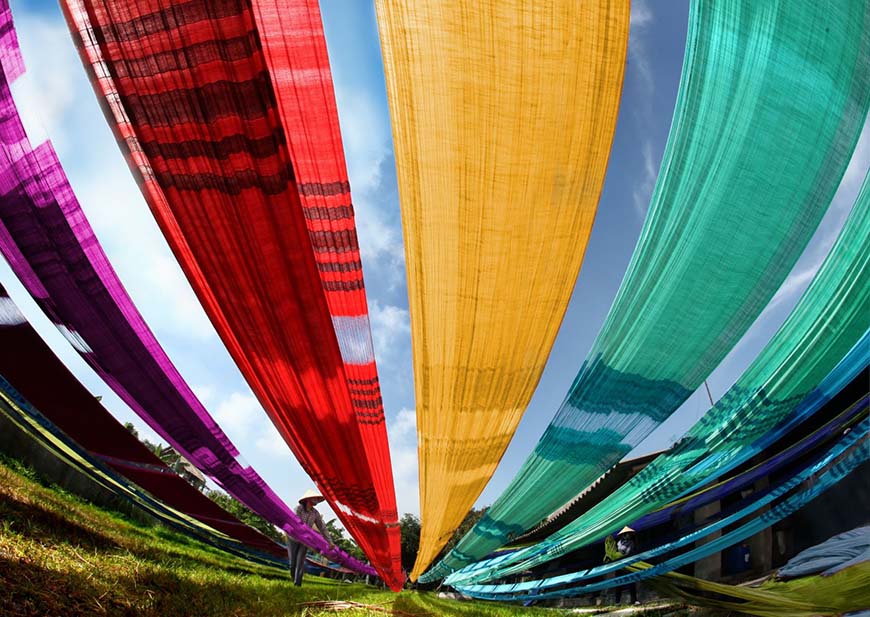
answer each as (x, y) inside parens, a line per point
(311, 496)
(308, 514)
(625, 544)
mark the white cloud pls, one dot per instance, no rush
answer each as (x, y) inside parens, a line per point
(57, 101)
(402, 432)
(367, 146)
(240, 414)
(205, 393)
(270, 442)
(641, 19)
(391, 329)
(645, 185)
(640, 67)
(46, 92)
(641, 14)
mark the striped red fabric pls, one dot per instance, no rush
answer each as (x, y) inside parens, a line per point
(295, 51)
(272, 257)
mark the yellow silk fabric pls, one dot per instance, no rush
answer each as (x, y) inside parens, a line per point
(503, 116)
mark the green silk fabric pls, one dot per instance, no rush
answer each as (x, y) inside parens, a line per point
(826, 330)
(772, 100)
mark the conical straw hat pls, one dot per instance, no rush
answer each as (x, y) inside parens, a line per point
(311, 494)
(626, 529)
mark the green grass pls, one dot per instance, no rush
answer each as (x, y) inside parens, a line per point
(62, 556)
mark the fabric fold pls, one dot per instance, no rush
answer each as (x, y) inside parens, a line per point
(503, 117)
(187, 87)
(767, 117)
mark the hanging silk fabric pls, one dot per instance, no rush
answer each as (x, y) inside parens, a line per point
(222, 530)
(503, 117)
(725, 517)
(843, 458)
(821, 347)
(675, 509)
(294, 47)
(51, 247)
(767, 116)
(844, 593)
(188, 89)
(41, 380)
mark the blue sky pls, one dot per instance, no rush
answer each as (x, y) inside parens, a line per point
(59, 103)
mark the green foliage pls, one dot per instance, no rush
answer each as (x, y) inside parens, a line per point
(245, 515)
(410, 526)
(62, 556)
(470, 520)
(346, 544)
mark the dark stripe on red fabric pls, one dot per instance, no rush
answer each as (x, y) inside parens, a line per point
(168, 19)
(338, 241)
(228, 50)
(355, 285)
(370, 391)
(324, 189)
(260, 148)
(327, 213)
(366, 404)
(363, 382)
(343, 268)
(203, 105)
(229, 184)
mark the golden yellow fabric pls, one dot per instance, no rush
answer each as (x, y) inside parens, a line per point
(503, 116)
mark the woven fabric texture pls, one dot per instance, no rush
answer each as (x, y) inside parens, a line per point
(295, 51)
(503, 117)
(821, 347)
(187, 87)
(841, 460)
(51, 247)
(767, 117)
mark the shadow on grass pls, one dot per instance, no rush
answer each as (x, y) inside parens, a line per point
(29, 589)
(40, 522)
(411, 604)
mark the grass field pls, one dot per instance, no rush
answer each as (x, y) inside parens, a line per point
(62, 556)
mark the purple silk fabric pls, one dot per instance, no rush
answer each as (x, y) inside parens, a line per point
(51, 247)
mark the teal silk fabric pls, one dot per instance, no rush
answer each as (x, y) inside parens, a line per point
(772, 100)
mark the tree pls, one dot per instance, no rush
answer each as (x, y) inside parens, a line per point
(346, 544)
(465, 526)
(410, 526)
(245, 515)
(129, 426)
(183, 467)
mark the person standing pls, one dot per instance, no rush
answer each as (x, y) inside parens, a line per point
(308, 514)
(625, 544)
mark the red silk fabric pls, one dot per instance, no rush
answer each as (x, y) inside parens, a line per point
(273, 258)
(295, 51)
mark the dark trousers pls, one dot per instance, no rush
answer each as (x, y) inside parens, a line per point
(297, 551)
(631, 588)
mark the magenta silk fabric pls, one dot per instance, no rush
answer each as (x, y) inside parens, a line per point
(51, 247)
